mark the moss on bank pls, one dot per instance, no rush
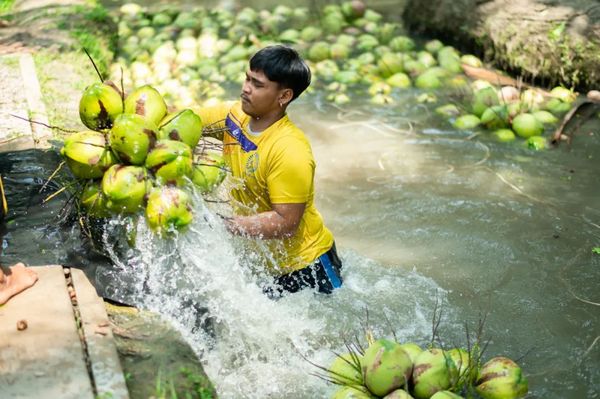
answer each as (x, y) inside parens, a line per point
(556, 43)
(157, 362)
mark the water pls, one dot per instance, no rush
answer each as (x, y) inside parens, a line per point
(422, 215)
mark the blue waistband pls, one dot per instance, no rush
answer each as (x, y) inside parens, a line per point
(330, 271)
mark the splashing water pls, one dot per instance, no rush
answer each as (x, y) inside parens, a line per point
(252, 346)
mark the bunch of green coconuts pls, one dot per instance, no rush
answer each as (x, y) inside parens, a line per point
(390, 370)
(137, 157)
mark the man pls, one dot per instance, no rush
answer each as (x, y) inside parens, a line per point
(20, 277)
(272, 162)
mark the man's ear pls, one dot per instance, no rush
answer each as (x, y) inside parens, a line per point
(286, 96)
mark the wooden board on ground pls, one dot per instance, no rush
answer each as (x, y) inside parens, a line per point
(48, 359)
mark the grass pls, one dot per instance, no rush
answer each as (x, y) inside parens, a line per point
(193, 387)
(6, 6)
(93, 29)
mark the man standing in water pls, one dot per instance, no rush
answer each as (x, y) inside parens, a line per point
(272, 160)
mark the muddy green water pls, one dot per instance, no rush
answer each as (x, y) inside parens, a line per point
(421, 213)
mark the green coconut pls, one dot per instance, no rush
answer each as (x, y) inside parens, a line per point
(557, 106)
(414, 67)
(379, 88)
(545, 117)
(466, 122)
(403, 44)
(311, 33)
(333, 23)
(94, 201)
(467, 373)
(168, 208)
(125, 187)
(326, 69)
(471, 60)
(501, 378)
(495, 117)
(347, 77)
(366, 42)
(353, 9)
(170, 161)
(346, 369)
(87, 154)
(99, 106)
(433, 371)
(447, 110)
(426, 59)
(430, 79)
(390, 63)
(433, 46)
(387, 32)
(339, 51)
(504, 135)
(352, 392)
(399, 79)
(319, 51)
(398, 394)
(446, 395)
(413, 350)
(532, 99)
(185, 126)
(526, 125)
(563, 94)
(147, 102)
(537, 143)
(131, 137)
(386, 367)
(483, 99)
(208, 171)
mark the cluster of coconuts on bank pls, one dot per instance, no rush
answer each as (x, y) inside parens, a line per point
(351, 49)
(509, 113)
(136, 157)
(390, 370)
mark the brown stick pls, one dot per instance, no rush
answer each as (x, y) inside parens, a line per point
(496, 78)
(568, 117)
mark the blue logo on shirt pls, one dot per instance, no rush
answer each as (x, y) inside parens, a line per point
(236, 132)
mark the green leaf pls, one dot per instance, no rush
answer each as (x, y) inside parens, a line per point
(596, 250)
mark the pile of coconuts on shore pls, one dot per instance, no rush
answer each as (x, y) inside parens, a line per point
(390, 370)
(137, 157)
(353, 51)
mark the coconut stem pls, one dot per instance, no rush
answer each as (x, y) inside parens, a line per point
(43, 124)
(59, 167)
(94, 64)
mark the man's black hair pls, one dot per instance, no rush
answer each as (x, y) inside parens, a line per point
(282, 64)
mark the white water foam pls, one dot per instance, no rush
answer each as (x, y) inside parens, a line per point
(256, 347)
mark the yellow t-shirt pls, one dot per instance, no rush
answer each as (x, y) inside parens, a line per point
(275, 167)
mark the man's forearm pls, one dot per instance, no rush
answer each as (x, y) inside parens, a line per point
(264, 225)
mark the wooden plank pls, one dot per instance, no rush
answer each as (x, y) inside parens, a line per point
(102, 352)
(45, 360)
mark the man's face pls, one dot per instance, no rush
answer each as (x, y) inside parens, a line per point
(260, 96)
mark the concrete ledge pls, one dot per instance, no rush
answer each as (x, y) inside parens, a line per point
(50, 357)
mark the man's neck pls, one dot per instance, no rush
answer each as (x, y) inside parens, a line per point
(258, 124)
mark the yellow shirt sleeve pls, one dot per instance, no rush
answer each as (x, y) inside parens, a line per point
(291, 172)
(215, 115)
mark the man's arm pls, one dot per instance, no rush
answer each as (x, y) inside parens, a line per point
(281, 222)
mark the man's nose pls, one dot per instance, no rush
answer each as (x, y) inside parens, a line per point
(245, 88)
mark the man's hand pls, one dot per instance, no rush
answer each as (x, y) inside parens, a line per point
(281, 222)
